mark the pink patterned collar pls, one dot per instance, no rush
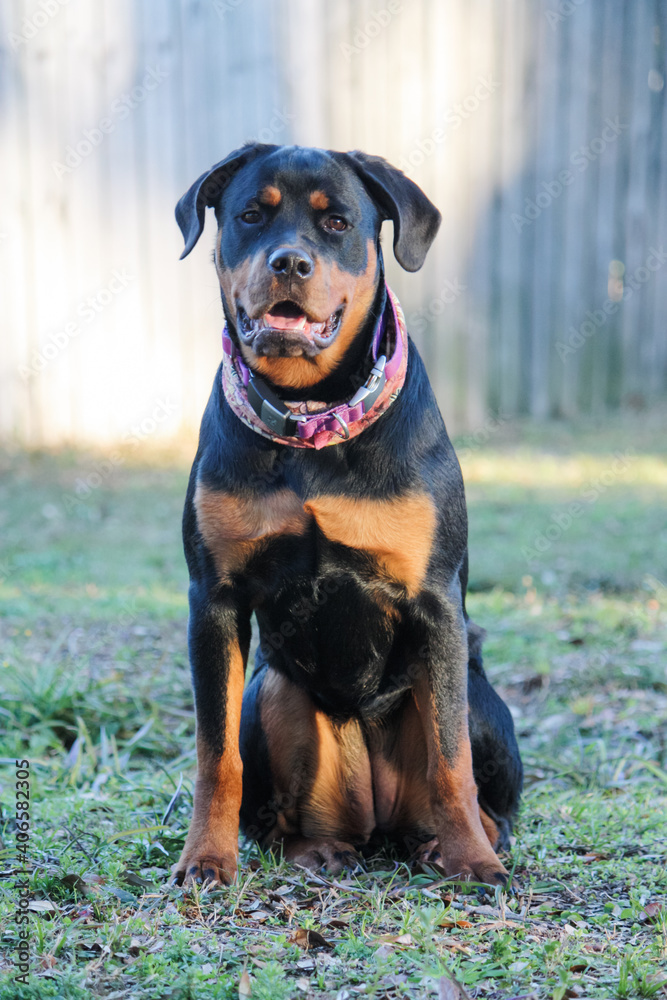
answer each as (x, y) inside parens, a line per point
(307, 424)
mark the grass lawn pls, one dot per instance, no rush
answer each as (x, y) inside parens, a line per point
(568, 532)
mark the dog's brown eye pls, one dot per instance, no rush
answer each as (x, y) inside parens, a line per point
(335, 223)
(251, 216)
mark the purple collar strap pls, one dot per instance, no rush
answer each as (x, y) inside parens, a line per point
(308, 424)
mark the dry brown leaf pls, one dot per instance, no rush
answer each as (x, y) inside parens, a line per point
(306, 938)
(245, 986)
(96, 946)
(454, 945)
(455, 923)
(42, 906)
(133, 879)
(654, 910)
(253, 904)
(451, 989)
(404, 940)
(495, 925)
(259, 915)
(75, 882)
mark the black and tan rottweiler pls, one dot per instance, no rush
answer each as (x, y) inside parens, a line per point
(368, 712)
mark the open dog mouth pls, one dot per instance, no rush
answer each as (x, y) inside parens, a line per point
(286, 330)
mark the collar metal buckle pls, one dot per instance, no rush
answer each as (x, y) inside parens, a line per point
(270, 409)
(372, 387)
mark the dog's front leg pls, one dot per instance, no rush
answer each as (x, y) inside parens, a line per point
(462, 848)
(218, 636)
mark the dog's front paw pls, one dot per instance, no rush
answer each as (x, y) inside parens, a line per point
(194, 865)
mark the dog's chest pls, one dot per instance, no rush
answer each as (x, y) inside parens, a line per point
(241, 531)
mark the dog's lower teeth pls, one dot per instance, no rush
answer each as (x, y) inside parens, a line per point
(324, 329)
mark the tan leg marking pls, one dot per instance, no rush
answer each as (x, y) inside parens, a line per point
(211, 847)
(490, 828)
(464, 844)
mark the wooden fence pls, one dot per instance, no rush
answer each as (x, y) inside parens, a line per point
(537, 127)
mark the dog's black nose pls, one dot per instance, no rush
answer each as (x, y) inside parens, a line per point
(291, 262)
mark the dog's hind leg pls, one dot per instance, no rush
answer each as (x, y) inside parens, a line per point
(306, 780)
(495, 755)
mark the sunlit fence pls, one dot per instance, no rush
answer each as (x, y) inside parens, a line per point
(538, 128)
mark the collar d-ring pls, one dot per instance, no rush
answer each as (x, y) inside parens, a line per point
(346, 429)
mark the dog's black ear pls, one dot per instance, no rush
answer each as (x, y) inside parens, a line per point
(207, 189)
(416, 220)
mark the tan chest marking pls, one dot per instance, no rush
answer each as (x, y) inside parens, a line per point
(398, 533)
(234, 527)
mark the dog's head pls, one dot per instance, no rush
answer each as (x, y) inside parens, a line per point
(297, 250)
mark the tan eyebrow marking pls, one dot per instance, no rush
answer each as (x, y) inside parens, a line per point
(270, 195)
(319, 200)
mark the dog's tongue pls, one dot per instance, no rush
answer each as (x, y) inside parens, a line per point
(285, 322)
(285, 316)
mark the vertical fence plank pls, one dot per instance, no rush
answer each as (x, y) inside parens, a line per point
(15, 234)
(649, 316)
(515, 147)
(637, 219)
(658, 359)
(575, 206)
(599, 340)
